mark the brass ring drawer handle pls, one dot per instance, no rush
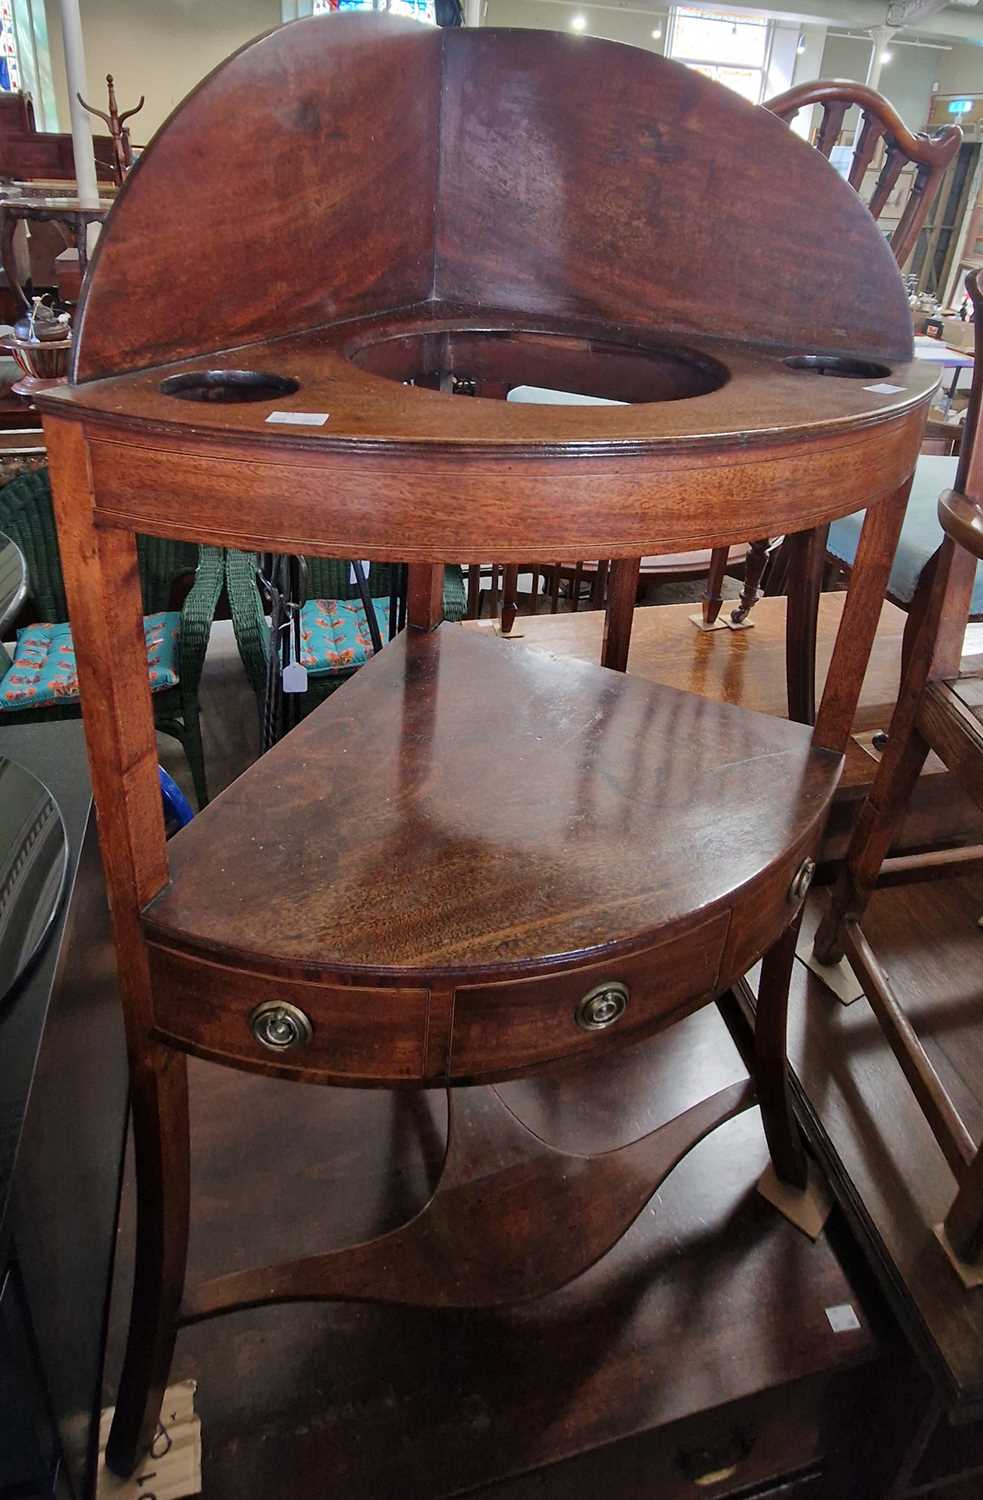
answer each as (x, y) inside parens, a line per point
(280, 1026)
(602, 1006)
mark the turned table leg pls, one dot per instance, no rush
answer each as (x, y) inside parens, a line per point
(754, 567)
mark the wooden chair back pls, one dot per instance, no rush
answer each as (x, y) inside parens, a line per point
(879, 121)
(939, 708)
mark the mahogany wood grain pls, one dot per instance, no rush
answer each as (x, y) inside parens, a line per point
(554, 1404)
(526, 231)
(651, 766)
(622, 592)
(391, 843)
(468, 1248)
(770, 1024)
(378, 195)
(424, 597)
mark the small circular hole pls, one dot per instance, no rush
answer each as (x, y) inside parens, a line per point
(228, 385)
(843, 365)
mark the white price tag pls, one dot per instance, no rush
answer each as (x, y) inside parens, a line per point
(351, 572)
(842, 1319)
(883, 389)
(294, 678)
(299, 418)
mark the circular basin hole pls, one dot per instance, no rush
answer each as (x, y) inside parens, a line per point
(491, 362)
(228, 385)
(844, 365)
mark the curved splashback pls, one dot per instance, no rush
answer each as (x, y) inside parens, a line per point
(349, 164)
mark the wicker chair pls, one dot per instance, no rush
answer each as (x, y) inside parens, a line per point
(327, 578)
(26, 516)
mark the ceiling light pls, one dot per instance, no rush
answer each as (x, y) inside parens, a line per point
(800, 45)
(656, 33)
(886, 57)
(578, 23)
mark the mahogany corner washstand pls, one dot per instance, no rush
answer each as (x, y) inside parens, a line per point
(473, 861)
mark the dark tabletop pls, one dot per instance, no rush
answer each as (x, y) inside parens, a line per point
(55, 753)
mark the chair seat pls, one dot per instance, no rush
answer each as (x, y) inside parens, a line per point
(43, 672)
(921, 534)
(334, 634)
(468, 837)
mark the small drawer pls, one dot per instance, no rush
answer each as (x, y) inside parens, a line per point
(498, 1027)
(342, 1032)
(763, 910)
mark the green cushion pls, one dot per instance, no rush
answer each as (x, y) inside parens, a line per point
(44, 671)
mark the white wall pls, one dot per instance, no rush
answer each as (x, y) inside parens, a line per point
(160, 48)
(961, 71)
(906, 80)
(613, 25)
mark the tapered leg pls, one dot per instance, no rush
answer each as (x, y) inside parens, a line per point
(102, 581)
(754, 567)
(806, 554)
(622, 593)
(160, 1132)
(474, 590)
(713, 594)
(771, 1060)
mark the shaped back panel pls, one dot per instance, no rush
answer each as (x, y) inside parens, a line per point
(293, 187)
(351, 164)
(586, 177)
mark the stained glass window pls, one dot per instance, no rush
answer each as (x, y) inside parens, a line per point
(9, 68)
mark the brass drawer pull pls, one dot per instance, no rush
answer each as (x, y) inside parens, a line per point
(280, 1026)
(602, 1006)
(802, 880)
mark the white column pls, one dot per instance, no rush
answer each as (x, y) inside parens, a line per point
(473, 12)
(85, 161)
(881, 37)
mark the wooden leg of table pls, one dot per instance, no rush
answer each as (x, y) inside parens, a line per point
(425, 596)
(860, 618)
(102, 582)
(474, 590)
(599, 585)
(806, 553)
(771, 1060)
(160, 1132)
(620, 611)
(713, 594)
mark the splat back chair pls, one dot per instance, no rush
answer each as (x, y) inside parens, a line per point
(40, 682)
(805, 556)
(474, 860)
(940, 709)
